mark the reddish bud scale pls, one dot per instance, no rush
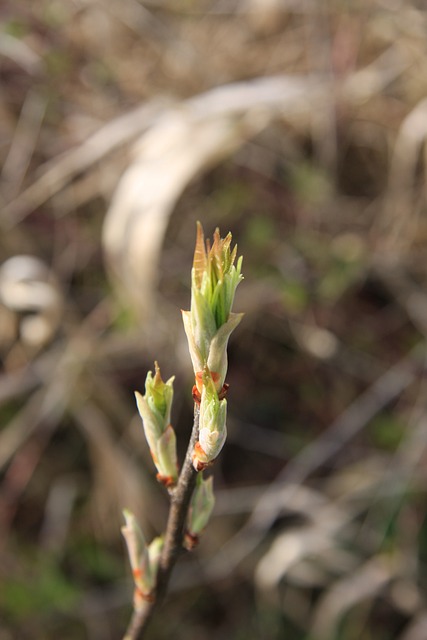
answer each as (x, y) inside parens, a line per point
(191, 541)
(196, 395)
(198, 387)
(167, 481)
(140, 597)
(199, 379)
(197, 453)
(223, 392)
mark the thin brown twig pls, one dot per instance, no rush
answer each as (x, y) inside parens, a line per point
(174, 536)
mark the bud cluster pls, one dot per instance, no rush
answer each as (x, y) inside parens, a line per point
(208, 326)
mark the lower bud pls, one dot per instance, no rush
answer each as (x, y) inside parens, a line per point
(191, 541)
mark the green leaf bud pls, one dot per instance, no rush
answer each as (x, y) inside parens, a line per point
(201, 506)
(212, 424)
(144, 559)
(155, 410)
(209, 323)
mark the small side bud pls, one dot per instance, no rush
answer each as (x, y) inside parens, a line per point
(202, 504)
(143, 559)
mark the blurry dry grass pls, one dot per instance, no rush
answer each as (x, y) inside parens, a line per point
(301, 127)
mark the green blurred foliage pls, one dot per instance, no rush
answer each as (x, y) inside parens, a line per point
(39, 592)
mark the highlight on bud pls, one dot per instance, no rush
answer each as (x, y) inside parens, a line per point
(212, 424)
(210, 321)
(201, 506)
(155, 410)
(144, 560)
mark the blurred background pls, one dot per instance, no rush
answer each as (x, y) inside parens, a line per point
(300, 126)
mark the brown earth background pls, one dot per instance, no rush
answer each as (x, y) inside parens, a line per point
(300, 127)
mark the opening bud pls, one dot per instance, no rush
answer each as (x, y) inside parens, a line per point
(155, 409)
(209, 323)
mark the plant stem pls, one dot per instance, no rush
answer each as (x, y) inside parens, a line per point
(174, 536)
